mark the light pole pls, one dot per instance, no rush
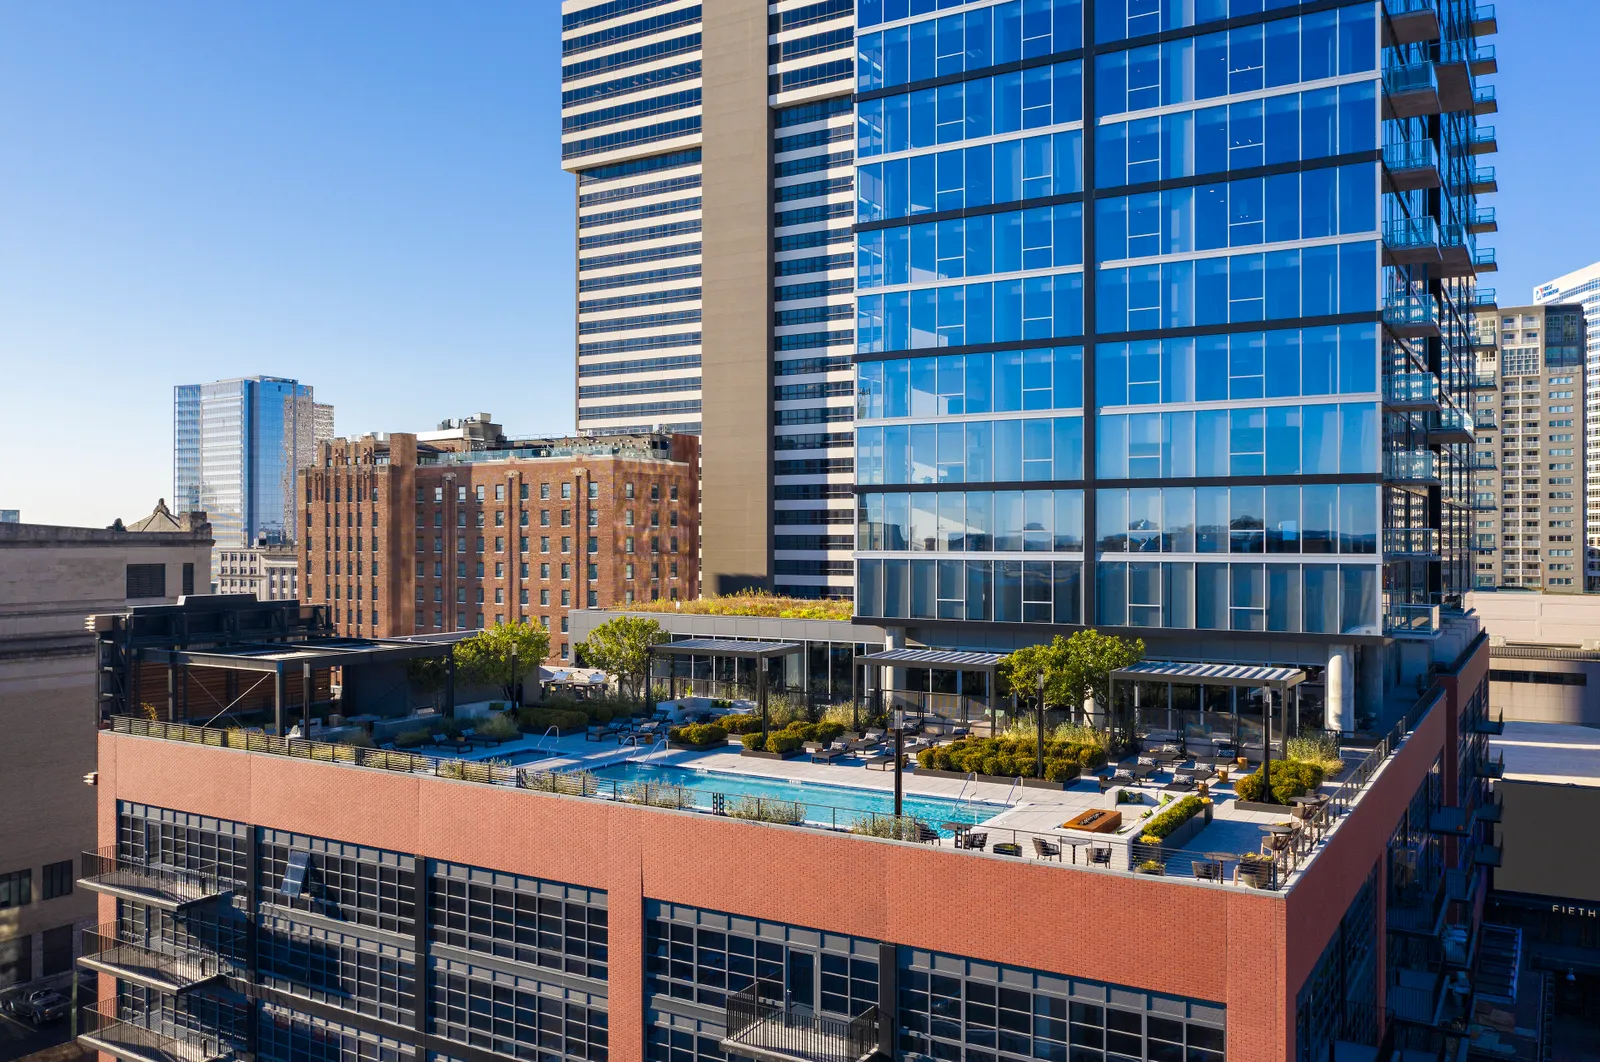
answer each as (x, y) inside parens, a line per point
(1039, 752)
(897, 724)
(516, 693)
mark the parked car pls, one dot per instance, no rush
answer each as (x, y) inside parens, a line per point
(40, 1006)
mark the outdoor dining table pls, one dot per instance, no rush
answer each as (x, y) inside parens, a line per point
(956, 828)
(1067, 842)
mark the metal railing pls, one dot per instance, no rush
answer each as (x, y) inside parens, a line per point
(776, 1028)
(172, 966)
(119, 1031)
(1119, 853)
(106, 869)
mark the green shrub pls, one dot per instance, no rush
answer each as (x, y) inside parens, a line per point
(719, 702)
(1010, 757)
(1166, 823)
(902, 829)
(699, 734)
(1060, 770)
(765, 809)
(451, 727)
(1321, 749)
(740, 724)
(1290, 779)
(599, 712)
(538, 720)
(502, 727)
(360, 739)
(657, 795)
(410, 739)
(784, 742)
(753, 742)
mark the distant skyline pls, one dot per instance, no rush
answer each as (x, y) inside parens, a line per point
(375, 206)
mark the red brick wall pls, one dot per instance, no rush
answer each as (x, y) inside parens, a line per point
(1216, 943)
(343, 514)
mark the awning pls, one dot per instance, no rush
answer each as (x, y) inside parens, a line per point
(728, 647)
(1194, 674)
(949, 659)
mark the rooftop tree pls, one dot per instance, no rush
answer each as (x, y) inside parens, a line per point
(486, 659)
(621, 647)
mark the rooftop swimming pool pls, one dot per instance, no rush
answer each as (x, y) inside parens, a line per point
(827, 805)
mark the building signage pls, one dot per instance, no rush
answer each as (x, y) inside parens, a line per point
(1545, 291)
(1570, 909)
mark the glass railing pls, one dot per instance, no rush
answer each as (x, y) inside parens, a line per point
(1480, 175)
(1484, 381)
(1411, 389)
(1452, 420)
(1411, 155)
(1396, 8)
(1484, 460)
(1410, 311)
(1485, 501)
(1485, 419)
(1483, 100)
(1483, 134)
(1485, 542)
(1483, 258)
(1408, 78)
(1484, 298)
(1410, 465)
(1411, 540)
(1481, 19)
(1411, 232)
(1411, 619)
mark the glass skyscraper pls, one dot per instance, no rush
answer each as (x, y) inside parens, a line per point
(237, 447)
(1164, 319)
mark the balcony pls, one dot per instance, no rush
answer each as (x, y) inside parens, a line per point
(1411, 542)
(1481, 22)
(1484, 261)
(120, 1033)
(1481, 60)
(1410, 466)
(128, 955)
(1411, 620)
(1483, 220)
(1450, 426)
(1483, 502)
(1484, 724)
(1482, 141)
(1485, 544)
(1490, 769)
(1411, 391)
(1484, 300)
(1484, 420)
(1460, 885)
(1416, 998)
(1477, 180)
(1483, 101)
(1410, 165)
(1486, 855)
(1410, 90)
(1409, 22)
(1412, 317)
(1485, 381)
(150, 884)
(772, 1031)
(1455, 822)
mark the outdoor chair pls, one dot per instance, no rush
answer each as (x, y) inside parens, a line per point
(1106, 781)
(822, 755)
(1099, 855)
(927, 834)
(880, 761)
(1208, 870)
(1044, 849)
(1280, 847)
(974, 840)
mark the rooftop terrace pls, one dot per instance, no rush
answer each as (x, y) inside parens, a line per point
(1220, 846)
(751, 603)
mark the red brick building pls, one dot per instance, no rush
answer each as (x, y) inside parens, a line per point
(463, 528)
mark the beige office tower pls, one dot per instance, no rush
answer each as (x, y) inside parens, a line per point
(1528, 466)
(715, 195)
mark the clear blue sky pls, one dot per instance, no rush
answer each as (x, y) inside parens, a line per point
(368, 197)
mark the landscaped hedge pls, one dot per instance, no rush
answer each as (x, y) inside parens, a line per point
(790, 739)
(741, 724)
(410, 739)
(542, 719)
(1013, 758)
(698, 734)
(1290, 779)
(1166, 823)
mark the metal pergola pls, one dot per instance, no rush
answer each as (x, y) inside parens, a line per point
(957, 660)
(1274, 680)
(731, 649)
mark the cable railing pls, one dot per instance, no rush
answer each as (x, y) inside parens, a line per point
(1122, 852)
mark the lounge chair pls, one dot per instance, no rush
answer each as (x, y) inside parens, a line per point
(973, 839)
(880, 761)
(927, 834)
(1044, 849)
(862, 744)
(1107, 780)
(601, 732)
(822, 755)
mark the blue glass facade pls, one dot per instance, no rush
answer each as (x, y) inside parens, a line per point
(1155, 293)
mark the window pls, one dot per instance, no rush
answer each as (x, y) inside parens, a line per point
(58, 879)
(188, 578)
(627, 491)
(16, 888)
(673, 492)
(594, 489)
(566, 491)
(544, 492)
(147, 580)
(500, 492)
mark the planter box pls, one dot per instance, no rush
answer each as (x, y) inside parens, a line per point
(1180, 837)
(1027, 783)
(762, 754)
(680, 746)
(1270, 809)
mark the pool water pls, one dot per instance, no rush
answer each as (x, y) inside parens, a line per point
(825, 804)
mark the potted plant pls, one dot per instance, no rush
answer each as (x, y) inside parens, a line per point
(1256, 870)
(1008, 848)
(1151, 866)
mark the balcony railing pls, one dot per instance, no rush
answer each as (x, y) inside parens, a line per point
(1411, 164)
(1409, 22)
(1483, 460)
(1490, 769)
(1483, 100)
(143, 882)
(1411, 541)
(1414, 390)
(121, 1033)
(1410, 90)
(1484, 502)
(1486, 724)
(131, 956)
(1453, 424)
(1410, 466)
(1485, 420)
(1483, 220)
(1481, 22)
(1484, 300)
(1485, 381)
(1412, 315)
(1411, 619)
(1482, 141)
(765, 1028)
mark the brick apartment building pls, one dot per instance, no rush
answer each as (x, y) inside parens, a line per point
(462, 528)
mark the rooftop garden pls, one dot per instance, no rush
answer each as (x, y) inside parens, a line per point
(751, 603)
